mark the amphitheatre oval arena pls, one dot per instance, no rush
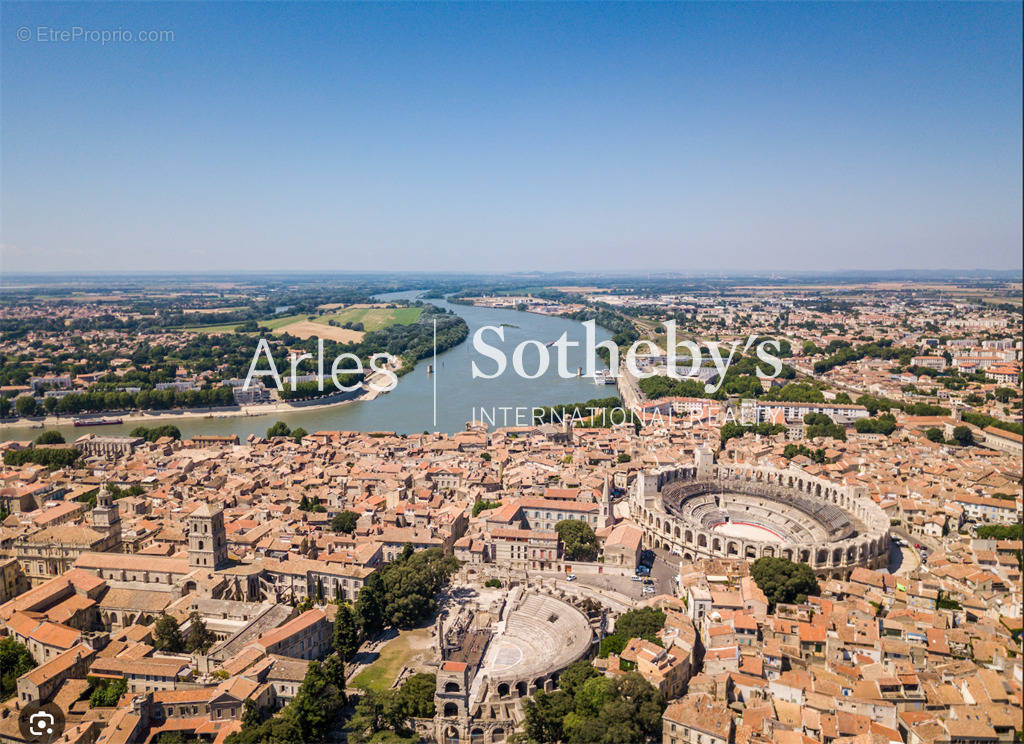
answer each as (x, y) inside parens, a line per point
(742, 511)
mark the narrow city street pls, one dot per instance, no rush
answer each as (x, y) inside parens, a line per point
(622, 585)
(664, 571)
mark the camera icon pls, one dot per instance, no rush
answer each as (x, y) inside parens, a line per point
(41, 722)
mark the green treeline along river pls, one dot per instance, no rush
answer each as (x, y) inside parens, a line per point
(410, 407)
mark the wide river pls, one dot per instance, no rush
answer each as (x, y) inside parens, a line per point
(411, 406)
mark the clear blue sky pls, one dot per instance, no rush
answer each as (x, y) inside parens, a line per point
(513, 137)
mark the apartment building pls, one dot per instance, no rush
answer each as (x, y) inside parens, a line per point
(520, 549)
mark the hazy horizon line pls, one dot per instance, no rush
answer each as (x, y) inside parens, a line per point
(498, 272)
(769, 274)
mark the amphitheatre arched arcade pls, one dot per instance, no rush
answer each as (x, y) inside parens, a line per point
(738, 511)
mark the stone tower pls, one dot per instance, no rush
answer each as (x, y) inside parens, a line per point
(451, 702)
(207, 544)
(704, 459)
(607, 508)
(106, 517)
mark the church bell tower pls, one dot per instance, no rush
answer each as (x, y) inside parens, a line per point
(207, 543)
(106, 517)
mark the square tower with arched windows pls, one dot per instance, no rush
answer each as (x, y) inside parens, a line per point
(105, 517)
(451, 697)
(207, 544)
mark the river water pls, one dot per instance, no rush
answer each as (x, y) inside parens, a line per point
(411, 406)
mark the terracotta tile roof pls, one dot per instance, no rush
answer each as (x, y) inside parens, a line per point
(296, 625)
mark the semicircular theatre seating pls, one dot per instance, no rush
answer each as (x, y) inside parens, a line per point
(549, 633)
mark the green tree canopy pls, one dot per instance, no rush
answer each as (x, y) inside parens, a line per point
(579, 543)
(51, 457)
(795, 450)
(370, 605)
(820, 425)
(345, 522)
(884, 424)
(544, 713)
(15, 660)
(575, 675)
(167, 635)
(346, 631)
(50, 437)
(25, 405)
(783, 581)
(963, 436)
(417, 693)
(151, 434)
(199, 637)
(1001, 532)
(403, 594)
(278, 429)
(105, 693)
(641, 623)
(309, 718)
(601, 710)
(483, 505)
(384, 715)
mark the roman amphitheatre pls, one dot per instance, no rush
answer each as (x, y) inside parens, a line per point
(742, 511)
(490, 651)
(497, 651)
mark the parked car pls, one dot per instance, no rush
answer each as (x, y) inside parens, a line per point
(634, 577)
(571, 577)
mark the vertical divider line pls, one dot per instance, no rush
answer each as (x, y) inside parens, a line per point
(435, 374)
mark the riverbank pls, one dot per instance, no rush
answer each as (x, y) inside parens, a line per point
(444, 400)
(158, 418)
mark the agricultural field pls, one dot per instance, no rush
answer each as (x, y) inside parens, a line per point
(312, 328)
(222, 328)
(211, 310)
(273, 324)
(374, 318)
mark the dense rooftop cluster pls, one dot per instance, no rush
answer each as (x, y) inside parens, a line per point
(466, 586)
